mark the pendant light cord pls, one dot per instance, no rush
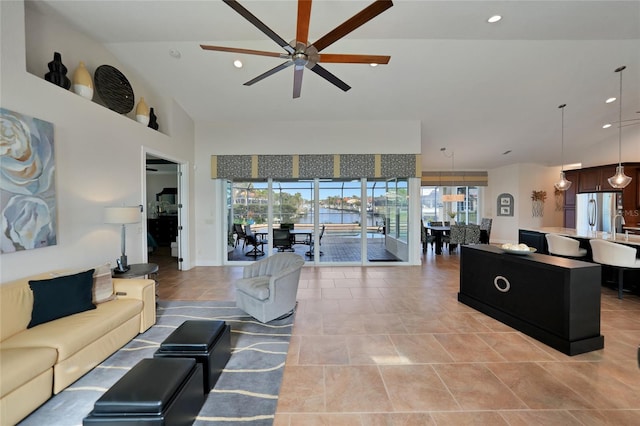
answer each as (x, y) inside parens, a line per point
(562, 139)
(620, 118)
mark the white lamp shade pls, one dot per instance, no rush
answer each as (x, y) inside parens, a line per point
(121, 215)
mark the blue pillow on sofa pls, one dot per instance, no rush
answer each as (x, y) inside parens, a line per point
(61, 296)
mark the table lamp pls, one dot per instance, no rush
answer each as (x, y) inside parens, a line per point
(122, 216)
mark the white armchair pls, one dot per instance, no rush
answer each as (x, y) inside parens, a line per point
(616, 255)
(564, 246)
(269, 286)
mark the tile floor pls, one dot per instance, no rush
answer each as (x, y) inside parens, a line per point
(389, 345)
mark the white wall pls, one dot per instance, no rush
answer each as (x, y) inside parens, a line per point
(520, 180)
(239, 138)
(99, 154)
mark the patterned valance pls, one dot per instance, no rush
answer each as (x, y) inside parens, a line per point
(310, 166)
(455, 179)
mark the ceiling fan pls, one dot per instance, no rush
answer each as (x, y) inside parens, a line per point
(300, 53)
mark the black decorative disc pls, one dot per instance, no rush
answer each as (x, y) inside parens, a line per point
(114, 89)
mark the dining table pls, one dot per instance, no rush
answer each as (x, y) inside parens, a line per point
(438, 231)
(307, 233)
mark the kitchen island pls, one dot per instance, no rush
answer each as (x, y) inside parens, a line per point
(552, 299)
(534, 237)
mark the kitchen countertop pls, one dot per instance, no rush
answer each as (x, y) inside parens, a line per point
(587, 234)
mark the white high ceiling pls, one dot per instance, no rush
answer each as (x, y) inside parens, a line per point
(478, 89)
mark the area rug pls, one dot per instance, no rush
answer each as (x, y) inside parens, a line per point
(246, 392)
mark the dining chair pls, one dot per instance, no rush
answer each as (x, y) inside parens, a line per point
(282, 240)
(240, 234)
(559, 245)
(485, 230)
(312, 242)
(617, 256)
(455, 237)
(426, 237)
(471, 234)
(254, 241)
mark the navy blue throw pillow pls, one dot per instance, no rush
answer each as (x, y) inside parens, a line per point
(61, 296)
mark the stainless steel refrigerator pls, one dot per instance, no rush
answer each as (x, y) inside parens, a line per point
(595, 211)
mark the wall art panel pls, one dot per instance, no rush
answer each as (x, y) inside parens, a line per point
(27, 183)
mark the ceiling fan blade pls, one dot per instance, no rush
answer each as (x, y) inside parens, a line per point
(304, 16)
(352, 23)
(247, 51)
(259, 24)
(297, 81)
(337, 58)
(322, 72)
(268, 73)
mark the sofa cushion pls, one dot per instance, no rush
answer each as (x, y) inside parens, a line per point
(18, 366)
(257, 287)
(103, 284)
(61, 296)
(71, 333)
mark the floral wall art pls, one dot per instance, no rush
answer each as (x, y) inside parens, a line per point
(27, 183)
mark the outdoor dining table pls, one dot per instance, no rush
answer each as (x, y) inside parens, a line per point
(438, 232)
(306, 232)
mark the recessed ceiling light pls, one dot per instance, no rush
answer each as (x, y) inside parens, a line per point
(606, 126)
(374, 65)
(175, 53)
(237, 63)
(610, 100)
(494, 19)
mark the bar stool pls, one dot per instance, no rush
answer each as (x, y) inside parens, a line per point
(618, 256)
(564, 246)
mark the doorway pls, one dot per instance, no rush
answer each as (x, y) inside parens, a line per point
(163, 212)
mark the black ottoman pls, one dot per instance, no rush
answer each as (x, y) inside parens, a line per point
(155, 392)
(208, 342)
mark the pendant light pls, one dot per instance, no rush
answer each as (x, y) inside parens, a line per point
(563, 184)
(452, 198)
(619, 180)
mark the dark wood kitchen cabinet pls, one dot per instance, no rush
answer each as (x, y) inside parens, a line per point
(569, 207)
(594, 179)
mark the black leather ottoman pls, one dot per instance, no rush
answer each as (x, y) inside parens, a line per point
(155, 392)
(207, 341)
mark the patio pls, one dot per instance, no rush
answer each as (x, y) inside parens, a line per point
(338, 246)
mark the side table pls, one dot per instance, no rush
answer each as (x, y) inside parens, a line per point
(137, 270)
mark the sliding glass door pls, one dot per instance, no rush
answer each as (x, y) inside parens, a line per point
(330, 221)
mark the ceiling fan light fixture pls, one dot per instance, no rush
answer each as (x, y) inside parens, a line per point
(300, 52)
(610, 100)
(606, 126)
(494, 19)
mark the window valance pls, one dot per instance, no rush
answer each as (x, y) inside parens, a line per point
(310, 166)
(455, 178)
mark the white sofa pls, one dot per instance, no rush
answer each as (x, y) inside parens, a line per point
(40, 361)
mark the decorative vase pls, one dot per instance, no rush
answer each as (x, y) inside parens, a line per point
(153, 123)
(142, 112)
(537, 208)
(57, 72)
(82, 83)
